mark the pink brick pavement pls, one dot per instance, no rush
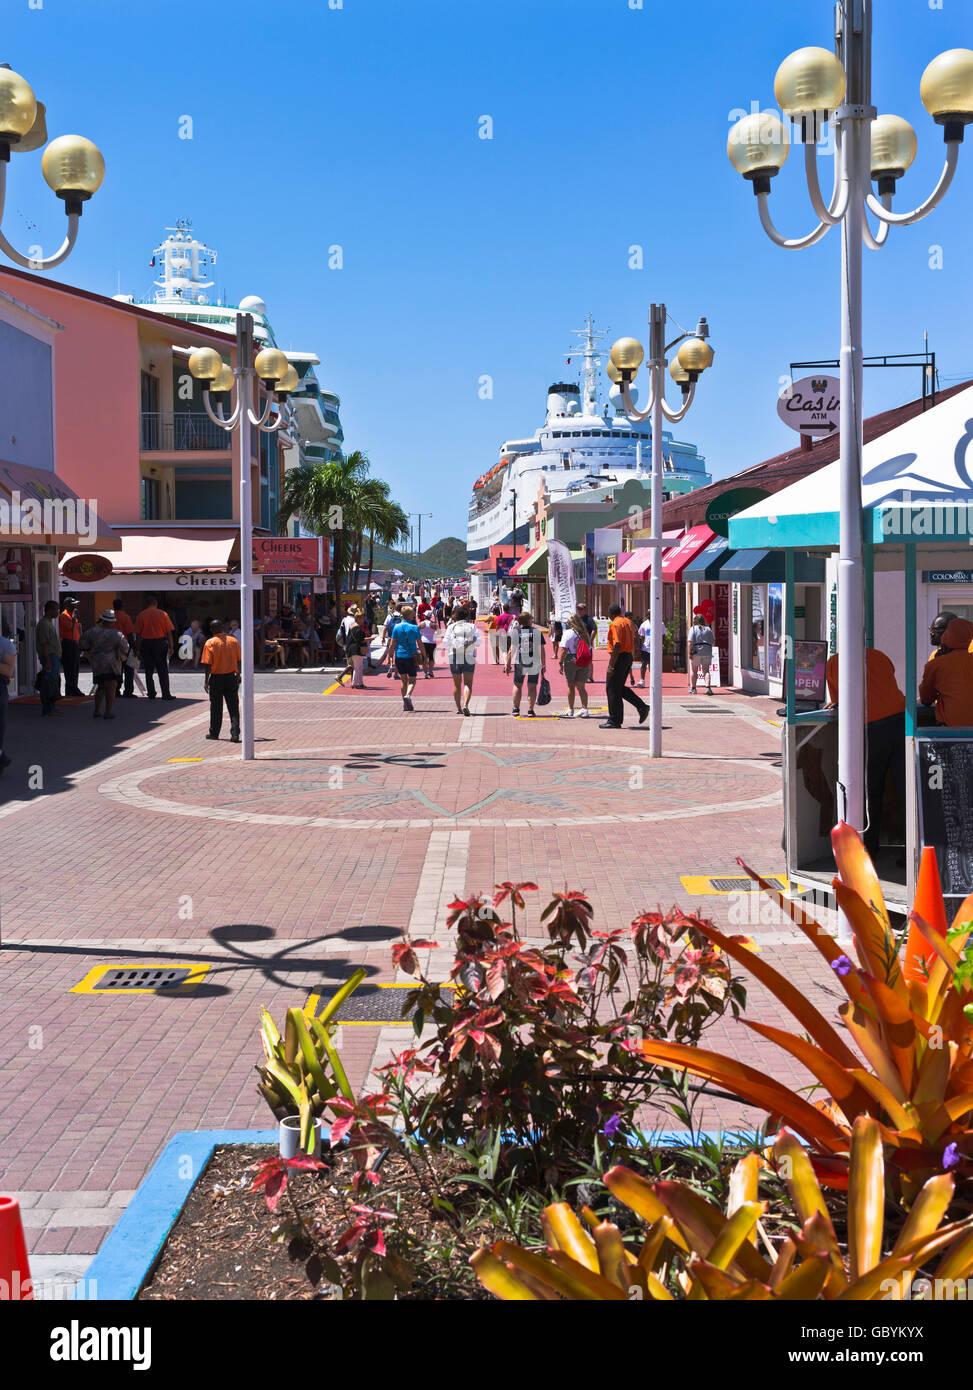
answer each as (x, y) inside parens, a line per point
(98, 863)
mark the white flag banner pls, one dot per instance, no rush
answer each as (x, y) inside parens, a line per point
(560, 577)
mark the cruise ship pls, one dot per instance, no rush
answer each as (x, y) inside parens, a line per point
(581, 445)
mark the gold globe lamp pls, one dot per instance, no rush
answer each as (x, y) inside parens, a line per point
(946, 89)
(206, 365)
(757, 147)
(809, 85)
(613, 373)
(694, 356)
(271, 366)
(74, 168)
(289, 381)
(18, 110)
(222, 383)
(894, 148)
(626, 357)
(680, 376)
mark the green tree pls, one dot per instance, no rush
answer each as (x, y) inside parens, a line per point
(330, 500)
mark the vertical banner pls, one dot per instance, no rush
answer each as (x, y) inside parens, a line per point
(560, 577)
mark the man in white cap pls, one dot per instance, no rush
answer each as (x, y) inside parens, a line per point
(107, 649)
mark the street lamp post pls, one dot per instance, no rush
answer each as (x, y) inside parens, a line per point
(277, 378)
(694, 356)
(814, 85)
(72, 166)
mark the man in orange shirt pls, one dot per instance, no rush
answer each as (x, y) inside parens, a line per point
(69, 631)
(221, 663)
(126, 627)
(153, 628)
(885, 716)
(948, 677)
(621, 647)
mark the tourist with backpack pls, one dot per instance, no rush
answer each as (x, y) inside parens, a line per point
(576, 663)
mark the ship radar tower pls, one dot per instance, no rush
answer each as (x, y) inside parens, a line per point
(185, 260)
(589, 337)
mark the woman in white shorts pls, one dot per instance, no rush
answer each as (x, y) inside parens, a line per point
(575, 675)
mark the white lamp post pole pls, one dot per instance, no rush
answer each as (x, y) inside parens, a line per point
(695, 355)
(244, 348)
(279, 379)
(814, 85)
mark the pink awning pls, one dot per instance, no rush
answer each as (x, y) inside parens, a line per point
(635, 566)
(39, 499)
(674, 561)
(176, 551)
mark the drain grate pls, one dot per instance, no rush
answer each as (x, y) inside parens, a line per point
(145, 978)
(729, 883)
(376, 1004)
(706, 709)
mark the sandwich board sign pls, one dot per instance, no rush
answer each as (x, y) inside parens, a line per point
(810, 405)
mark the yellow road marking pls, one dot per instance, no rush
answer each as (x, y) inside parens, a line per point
(184, 760)
(702, 884)
(89, 985)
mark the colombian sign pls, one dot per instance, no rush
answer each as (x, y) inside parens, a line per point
(738, 499)
(810, 405)
(291, 556)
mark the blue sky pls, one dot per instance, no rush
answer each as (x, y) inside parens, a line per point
(465, 257)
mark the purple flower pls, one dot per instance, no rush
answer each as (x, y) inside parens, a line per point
(615, 1124)
(841, 965)
(951, 1156)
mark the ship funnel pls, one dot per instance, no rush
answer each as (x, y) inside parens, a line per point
(560, 396)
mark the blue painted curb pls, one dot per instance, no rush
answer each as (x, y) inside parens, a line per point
(132, 1246)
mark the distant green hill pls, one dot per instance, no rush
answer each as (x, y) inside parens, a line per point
(447, 556)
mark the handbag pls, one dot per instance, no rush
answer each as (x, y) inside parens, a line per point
(544, 692)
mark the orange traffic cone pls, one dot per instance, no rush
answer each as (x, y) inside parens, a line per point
(15, 1281)
(928, 905)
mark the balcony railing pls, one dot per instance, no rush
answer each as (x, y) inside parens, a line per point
(175, 431)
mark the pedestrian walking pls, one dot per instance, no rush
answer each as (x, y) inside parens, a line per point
(388, 650)
(701, 642)
(884, 737)
(356, 643)
(220, 660)
(107, 650)
(69, 631)
(153, 631)
(47, 643)
(405, 641)
(504, 623)
(645, 645)
(621, 648)
(461, 641)
(631, 675)
(8, 665)
(530, 661)
(557, 634)
(576, 664)
(427, 636)
(125, 625)
(590, 626)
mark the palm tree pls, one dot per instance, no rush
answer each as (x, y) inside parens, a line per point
(391, 527)
(328, 498)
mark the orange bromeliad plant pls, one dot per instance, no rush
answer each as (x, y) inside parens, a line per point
(913, 1069)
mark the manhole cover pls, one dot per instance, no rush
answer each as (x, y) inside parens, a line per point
(141, 979)
(380, 1004)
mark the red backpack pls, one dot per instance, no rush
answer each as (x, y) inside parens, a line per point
(582, 656)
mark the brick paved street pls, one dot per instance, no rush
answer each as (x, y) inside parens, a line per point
(142, 843)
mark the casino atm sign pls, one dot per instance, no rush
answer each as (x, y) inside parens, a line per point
(291, 557)
(810, 405)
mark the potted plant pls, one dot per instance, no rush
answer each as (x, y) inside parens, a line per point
(671, 635)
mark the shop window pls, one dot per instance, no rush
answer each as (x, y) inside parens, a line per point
(754, 626)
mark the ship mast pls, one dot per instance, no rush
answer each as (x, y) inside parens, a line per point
(590, 352)
(185, 260)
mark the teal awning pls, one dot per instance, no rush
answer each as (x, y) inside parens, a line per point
(767, 567)
(709, 563)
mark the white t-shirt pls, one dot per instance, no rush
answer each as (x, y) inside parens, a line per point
(461, 641)
(645, 632)
(427, 629)
(569, 642)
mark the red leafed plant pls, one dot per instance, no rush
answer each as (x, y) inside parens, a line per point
(532, 1044)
